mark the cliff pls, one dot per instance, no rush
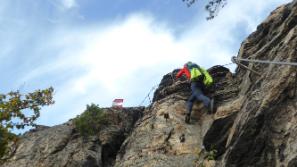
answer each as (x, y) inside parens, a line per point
(63, 145)
(255, 123)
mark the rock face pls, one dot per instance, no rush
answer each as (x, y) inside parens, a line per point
(162, 138)
(62, 145)
(255, 123)
(264, 128)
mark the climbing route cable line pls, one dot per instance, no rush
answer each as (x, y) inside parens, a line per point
(148, 95)
(239, 60)
(227, 64)
(234, 59)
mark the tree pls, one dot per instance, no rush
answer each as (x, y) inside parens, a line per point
(14, 113)
(213, 6)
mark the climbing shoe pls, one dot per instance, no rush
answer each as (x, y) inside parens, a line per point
(187, 118)
(211, 106)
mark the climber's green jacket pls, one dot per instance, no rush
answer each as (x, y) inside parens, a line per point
(195, 73)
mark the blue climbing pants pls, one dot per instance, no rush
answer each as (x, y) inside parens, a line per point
(197, 94)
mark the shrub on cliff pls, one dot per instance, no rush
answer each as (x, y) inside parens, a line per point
(91, 121)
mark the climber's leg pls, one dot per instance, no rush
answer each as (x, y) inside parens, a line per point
(197, 92)
(190, 104)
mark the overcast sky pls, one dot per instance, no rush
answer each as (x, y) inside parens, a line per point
(92, 51)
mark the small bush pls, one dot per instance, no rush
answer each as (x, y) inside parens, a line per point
(202, 156)
(211, 155)
(91, 121)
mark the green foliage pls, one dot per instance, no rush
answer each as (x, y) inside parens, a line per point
(213, 6)
(211, 155)
(91, 121)
(203, 155)
(12, 115)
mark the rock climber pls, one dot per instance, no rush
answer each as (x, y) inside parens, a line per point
(200, 80)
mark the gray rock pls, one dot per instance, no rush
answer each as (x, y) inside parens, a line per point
(62, 145)
(255, 123)
(156, 141)
(263, 131)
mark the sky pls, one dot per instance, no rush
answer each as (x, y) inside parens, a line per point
(93, 51)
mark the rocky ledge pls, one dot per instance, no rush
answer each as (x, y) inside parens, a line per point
(255, 123)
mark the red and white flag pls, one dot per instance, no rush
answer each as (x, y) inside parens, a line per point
(117, 103)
